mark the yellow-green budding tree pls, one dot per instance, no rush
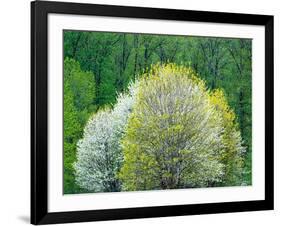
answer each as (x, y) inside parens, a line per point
(179, 134)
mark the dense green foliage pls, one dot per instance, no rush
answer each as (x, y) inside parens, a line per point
(104, 63)
(79, 94)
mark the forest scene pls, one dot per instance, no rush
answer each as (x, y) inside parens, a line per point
(154, 112)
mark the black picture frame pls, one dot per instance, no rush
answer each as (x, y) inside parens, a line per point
(39, 112)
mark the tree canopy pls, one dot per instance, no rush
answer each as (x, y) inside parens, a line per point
(169, 131)
(179, 134)
(99, 66)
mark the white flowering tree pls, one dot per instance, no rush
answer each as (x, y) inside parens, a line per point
(99, 154)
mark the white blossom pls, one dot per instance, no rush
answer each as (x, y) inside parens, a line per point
(99, 154)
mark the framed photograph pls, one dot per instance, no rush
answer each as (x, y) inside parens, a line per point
(145, 112)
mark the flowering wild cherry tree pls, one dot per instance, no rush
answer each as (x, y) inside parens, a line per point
(99, 154)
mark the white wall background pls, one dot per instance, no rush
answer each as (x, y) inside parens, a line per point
(15, 113)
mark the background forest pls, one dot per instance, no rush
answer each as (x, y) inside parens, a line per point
(99, 65)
